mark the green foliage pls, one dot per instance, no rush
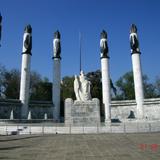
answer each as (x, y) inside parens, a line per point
(157, 86)
(11, 83)
(125, 87)
(67, 88)
(96, 84)
(41, 89)
(149, 88)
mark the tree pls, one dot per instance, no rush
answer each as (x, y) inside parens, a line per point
(67, 88)
(149, 88)
(157, 86)
(11, 84)
(40, 89)
(125, 87)
(96, 84)
(2, 73)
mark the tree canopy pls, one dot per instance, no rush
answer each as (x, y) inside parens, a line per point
(41, 88)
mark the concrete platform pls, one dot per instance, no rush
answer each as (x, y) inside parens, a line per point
(81, 147)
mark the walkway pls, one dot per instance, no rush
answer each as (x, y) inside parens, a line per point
(81, 147)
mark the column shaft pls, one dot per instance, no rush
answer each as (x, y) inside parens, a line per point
(106, 87)
(56, 88)
(25, 84)
(138, 84)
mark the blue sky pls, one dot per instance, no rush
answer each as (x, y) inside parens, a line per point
(88, 17)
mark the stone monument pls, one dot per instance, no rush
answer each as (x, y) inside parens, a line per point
(84, 110)
(105, 76)
(25, 70)
(137, 71)
(56, 75)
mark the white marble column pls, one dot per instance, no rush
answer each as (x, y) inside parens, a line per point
(138, 84)
(106, 88)
(105, 76)
(56, 88)
(25, 84)
(25, 71)
(137, 71)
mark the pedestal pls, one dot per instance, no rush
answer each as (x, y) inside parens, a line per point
(82, 113)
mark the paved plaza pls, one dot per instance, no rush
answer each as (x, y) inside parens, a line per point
(81, 147)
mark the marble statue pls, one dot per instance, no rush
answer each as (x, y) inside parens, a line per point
(76, 88)
(27, 40)
(82, 88)
(56, 44)
(103, 44)
(134, 39)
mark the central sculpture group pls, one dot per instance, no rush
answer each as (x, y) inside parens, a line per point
(82, 87)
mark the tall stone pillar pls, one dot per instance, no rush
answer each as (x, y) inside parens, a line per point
(25, 70)
(105, 76)
(137, 71)
(56, 76)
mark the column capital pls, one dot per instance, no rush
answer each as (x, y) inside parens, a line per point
(104, 56)
(137, 52)
(56, 57)
(26, 53)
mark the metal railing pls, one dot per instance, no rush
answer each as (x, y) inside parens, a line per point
(11, 127)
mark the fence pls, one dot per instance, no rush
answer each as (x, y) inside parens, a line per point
(49, 127)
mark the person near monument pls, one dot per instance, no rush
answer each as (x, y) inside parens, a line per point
(82, 87)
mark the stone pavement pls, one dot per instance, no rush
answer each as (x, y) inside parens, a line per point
(81, 147)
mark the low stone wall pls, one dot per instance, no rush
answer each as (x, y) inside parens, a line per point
(119, 109)
(37, 108)
(122, 109)
(7, 105)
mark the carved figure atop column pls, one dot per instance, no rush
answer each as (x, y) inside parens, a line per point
(104, 45)
(27, 39)
(57, 45)
(134, 39)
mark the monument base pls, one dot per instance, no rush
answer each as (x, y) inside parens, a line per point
(82, 112)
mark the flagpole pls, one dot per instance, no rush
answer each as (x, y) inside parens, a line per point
(80, 51)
